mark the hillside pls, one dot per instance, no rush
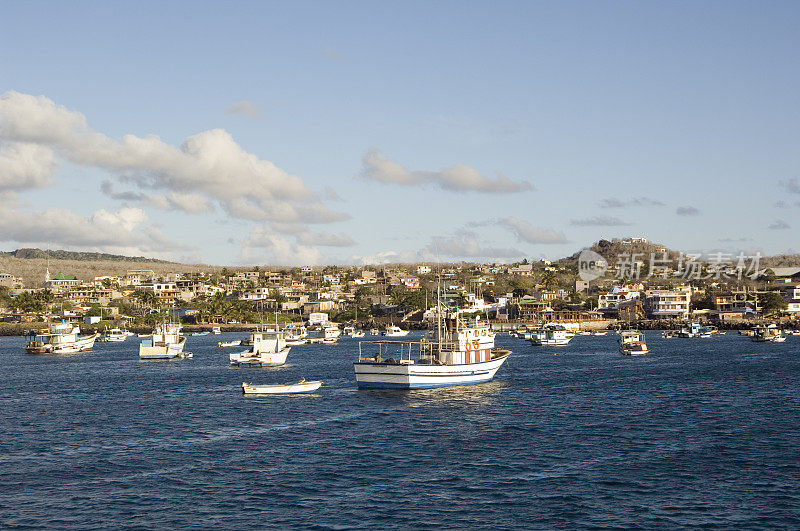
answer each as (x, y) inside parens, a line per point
(611, 250)
(31, 264)
(29, 254)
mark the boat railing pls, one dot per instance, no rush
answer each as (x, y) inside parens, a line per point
(385, 348)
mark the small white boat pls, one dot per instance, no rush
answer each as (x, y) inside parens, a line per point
(199, 333)
(115, 335)
(61, 338)
(394, 331)
(166, 343)
(300, 387)
(269, 350)
(632, 343)
(236, 343)
(216, 330)
(768, 334)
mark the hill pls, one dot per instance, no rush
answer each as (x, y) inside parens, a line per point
(30, 254)
(31, 264)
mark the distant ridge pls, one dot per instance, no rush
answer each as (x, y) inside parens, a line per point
(80, 256)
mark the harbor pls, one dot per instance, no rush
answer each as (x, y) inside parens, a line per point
(580, 421)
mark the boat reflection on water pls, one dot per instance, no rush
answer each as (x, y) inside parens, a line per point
(468, 396)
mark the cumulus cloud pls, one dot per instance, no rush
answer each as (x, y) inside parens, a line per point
(244, 108)
(306, 237)
(528, 233)
(264, 246)
(189, 203)
(24, 166)
(687, 211)
(791, 185)
(459, 177)
(779, 225)
(210, 163)
(466, 245)
(614, 202)
(599, 221)
(122, 231)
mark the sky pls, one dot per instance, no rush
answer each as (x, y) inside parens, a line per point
(354, 132)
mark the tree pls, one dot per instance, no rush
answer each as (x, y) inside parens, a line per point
(549, 280)
(772, 302)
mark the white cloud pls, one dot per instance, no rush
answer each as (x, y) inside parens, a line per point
(466, 245)
(791, 185)
(120, 232)
(687, 211)
(244, 108)
(210, 163)
(528, 233)
(24, 166)
(266, 247)
(189, 203)
(458, 177)
(779, 225)
(614, 202)
(598, 221)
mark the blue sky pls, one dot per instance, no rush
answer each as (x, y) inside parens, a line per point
(353, 132)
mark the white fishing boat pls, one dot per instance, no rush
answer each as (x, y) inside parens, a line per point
(115, 335)
(60, 338)
(236, 343)
(166, 343)
(394, 331)
(269, 350)
(374, 332)
(459, 353)
(295, 335)
(302, 386)
(551, 335)
(216, 330)
(768, 334)
(331, 331)
(632, 343)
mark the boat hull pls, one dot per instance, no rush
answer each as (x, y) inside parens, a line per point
(298, 388)
(262, 359)
(377, 375)
(82, 344)
(162, 352)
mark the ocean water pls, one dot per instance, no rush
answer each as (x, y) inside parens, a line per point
(701, 432)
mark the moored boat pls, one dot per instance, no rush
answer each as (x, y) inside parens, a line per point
(632, 343)
(60, 338)
(115, 335)
(768, 334)
(300, 387)
(551, 335)
(394, 331)
(166, 343)
(458, 354)
(236, 343)
(269, 350)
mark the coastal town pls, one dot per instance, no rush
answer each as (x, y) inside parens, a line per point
(539, 291)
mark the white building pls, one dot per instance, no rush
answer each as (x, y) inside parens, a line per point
(317, 318)
(423, 270)
(673, 303)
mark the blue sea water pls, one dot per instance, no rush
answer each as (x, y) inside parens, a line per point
(701, 432)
